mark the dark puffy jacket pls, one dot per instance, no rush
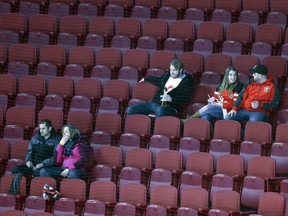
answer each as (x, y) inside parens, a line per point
(41, 150)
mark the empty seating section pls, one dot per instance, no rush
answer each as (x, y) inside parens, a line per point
(80, 62)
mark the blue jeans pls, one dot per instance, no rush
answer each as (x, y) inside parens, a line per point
(211, 112)
(151, 108)
(54, 172)
(250, 116)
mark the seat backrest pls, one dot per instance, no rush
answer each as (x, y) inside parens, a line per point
(193, 62)
(276, 65)
(16, 22)
(25, 53)
(255, 164)
(117, 89)
(136, 58)
(181, 4)
(133, 193)
(62, 86)
(280, 135)
(109, 122)
(243, 62)
(134, 29)
(269, 199)
(207, 5)
(161, 59)
(256, 5)
(182, 29)
(170, 198)
(55, 54)
(211, 65)
(101, 25)
(137, 124)
(202, 131)
(244, 37)
(4, 155)
(169, 159)
(168, 126)
(38, 89)
(37, 184)
(19, 149)
(109, 155)
(201, 162)
(73, 24)
(103, 191)
(143, 91)
(81, 55)
(156, 28)
(139, 158)
(234, 5)
(278, 5)
(73, 188)
(109, 56)
(260, 132)
(6, 184)
(21, 116)
(81, 119)
(211, 30)
(263, 30)
(199, 195)
(37, 20)
(231, 164)
(89, 87)
(7, 84)
(226, 200)
(228, 130)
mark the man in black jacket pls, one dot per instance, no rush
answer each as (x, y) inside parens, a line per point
(40, 150)
(174, 89)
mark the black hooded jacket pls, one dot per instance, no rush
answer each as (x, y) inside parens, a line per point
(180, 95)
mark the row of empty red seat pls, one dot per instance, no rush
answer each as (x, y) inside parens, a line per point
(127, 6)
(133, 199)
(77, 27)
(196, 176)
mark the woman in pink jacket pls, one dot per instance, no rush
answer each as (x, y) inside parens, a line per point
(72, 154)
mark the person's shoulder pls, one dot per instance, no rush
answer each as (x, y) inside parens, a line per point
(84, 140)
(188, 76)
(238, 87)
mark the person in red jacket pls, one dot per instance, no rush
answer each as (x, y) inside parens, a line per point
(258, 98)
(72, 153)
(223, 99)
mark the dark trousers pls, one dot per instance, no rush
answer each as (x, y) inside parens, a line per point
(55, 172)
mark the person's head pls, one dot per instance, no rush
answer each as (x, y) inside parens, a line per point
(176, 68)
(45, 127)
(231, 75)
(259, 72)
(70, 131)
(230, 79)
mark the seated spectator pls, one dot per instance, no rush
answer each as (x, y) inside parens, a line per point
(175, 88)
(223, 99)
(40, 152)
(258, 98)
(71, 155)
